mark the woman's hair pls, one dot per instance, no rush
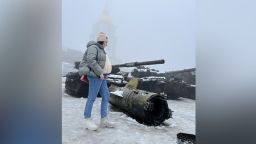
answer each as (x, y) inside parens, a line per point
(101, 42)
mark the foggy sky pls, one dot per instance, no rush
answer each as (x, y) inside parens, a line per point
(145, 30)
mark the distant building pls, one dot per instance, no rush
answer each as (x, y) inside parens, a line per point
(104, 24)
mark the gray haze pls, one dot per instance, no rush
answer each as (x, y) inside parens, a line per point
(144, 30)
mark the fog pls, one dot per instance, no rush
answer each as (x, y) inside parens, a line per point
(139, 30)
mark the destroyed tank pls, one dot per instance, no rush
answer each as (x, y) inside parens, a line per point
(142, 71)
(145, 107)
(77, 88)
(174, 84)
(180, 83)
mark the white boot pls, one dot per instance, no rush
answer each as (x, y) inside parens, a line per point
(104, 122)
(89, 124)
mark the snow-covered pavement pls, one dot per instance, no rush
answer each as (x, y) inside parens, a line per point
(128, 130)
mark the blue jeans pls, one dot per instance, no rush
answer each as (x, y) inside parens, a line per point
(96, 85)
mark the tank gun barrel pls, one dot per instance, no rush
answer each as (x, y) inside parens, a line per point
(134, 64)
(131, 64)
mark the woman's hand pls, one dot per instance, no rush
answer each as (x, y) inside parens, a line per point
(102, 77)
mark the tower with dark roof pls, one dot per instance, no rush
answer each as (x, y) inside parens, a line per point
(105, 24)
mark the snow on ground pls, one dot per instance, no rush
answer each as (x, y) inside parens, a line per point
(128, 130)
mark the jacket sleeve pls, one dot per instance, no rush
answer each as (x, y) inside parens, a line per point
(92, 62)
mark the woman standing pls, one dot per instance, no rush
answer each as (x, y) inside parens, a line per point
(96, 66)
